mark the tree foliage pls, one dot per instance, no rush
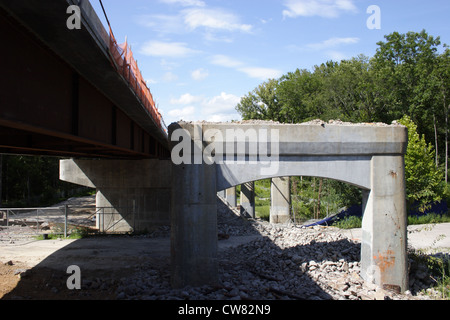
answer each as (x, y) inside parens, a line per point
(409, 74)
(31, 181)
(423, 179)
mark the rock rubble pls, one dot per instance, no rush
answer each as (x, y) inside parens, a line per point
(283, 262)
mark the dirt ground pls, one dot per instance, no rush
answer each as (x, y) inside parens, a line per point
(42, 284)
(38, 269)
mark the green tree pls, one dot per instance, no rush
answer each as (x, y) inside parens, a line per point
(349, 90)
(423, 177)
(439, 81)
(299, 95)
(262, 103)
(403, 66)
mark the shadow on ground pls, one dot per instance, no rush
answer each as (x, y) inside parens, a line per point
(252, 264)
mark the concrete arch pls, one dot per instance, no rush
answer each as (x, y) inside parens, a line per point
(353, 170)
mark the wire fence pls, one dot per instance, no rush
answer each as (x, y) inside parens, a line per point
(22, 224)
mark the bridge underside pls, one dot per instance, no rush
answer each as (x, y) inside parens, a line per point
(60, 93)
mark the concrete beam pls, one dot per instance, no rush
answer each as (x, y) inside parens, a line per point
(280, 200)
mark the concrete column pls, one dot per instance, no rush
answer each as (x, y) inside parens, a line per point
(383, 249)
(230, 195)
(248, 199)
(135, 194)
(194, 226)
(280, 200)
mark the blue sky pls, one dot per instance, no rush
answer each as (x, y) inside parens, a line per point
(199, 57)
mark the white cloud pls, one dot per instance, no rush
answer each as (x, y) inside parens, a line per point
(217, 19)
(186, 99)
(186, 113)
(199, 74)
(261, 73)
(170, 77)
(219, 108)
(185, 3)
(225, 61)
(337, 55)
(167, 49)
(332, 43)
(322, 8)
(161, 23)
(252, 72)
(225, 102)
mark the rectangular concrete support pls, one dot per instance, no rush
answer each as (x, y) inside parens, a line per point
(132, 195)
(383, 249)
(194, 226)
(280, 200)
(230, 195)
(248, 199)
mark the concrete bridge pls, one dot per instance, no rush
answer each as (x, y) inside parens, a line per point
(210, 157)
(63, 94)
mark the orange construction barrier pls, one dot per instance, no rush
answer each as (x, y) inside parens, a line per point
(127, 66)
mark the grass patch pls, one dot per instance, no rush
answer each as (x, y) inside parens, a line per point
(428, 218)
(263, 212)
(351, 222)
(355, 222)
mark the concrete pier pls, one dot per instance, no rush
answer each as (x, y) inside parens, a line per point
(383, 248)
(132, 195)
(280, 200)
(230, 196)
(248, 199)
(194, 226)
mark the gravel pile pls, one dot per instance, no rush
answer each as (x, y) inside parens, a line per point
(284, 262)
